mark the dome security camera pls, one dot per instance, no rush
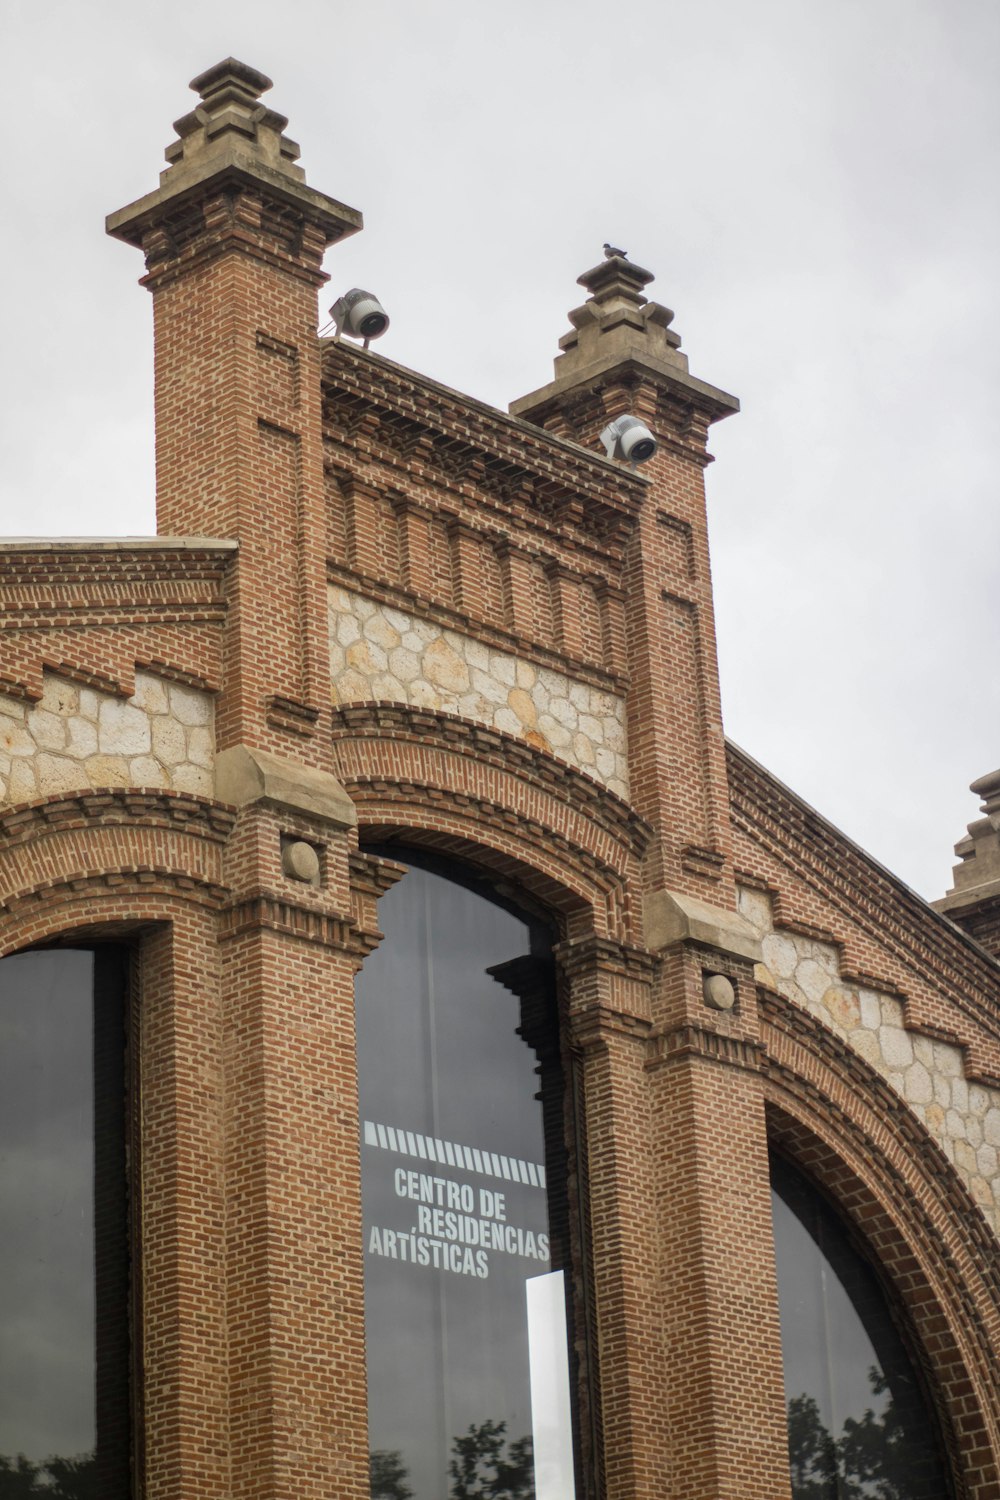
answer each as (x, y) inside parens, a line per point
(359, 314)
(630, 439)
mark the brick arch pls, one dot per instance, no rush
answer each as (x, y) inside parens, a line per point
(112, 857)
(491, 800)
(846, 1129)
(585, 895)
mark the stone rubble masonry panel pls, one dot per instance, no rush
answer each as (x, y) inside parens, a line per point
(963, 1117)
(382, 654)
(76, 738)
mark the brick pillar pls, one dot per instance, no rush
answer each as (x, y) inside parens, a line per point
(234, 240)
(690, 1349)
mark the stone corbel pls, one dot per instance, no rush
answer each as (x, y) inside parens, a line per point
(244, 774)
(673, 917)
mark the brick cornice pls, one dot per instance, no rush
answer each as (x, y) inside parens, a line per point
(255, 910)
(33, 571)
(596, 954)
(496, 452)
(690, 1040)
(597, 1023)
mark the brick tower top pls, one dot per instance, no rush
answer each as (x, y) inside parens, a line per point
(232, 138)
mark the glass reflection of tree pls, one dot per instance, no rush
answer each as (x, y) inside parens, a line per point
(480, 1470)
(873, 1459)
(388, 1475)
(53, 1479)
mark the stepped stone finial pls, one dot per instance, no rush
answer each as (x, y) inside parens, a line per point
(616, 305)
(974, 899)
(618, 328)
(231, 140)
(230, 106)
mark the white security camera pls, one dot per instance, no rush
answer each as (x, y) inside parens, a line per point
(359, 314)
(628, 438)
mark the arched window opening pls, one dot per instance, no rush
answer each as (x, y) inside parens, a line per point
(65, 1421)
(466, 1218)
(859, 1427)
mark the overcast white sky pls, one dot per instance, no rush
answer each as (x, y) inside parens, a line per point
(814, 183)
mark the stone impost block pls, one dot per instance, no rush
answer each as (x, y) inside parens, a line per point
(243, 775)
(671, 917)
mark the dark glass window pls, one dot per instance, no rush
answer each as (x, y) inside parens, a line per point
(463, 1177)
(858, 1425)
(64, 1346)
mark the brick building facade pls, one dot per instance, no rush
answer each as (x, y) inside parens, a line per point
(381, 617)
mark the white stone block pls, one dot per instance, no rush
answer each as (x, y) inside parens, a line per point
(108, 770)
(59, 696)
(82, 738)
(57, 773)
(508, 721)
(919, 1087)
(583, 752)
(865, 1044)
(398, 620)
(492, 690)
(892, 1011)
(145, 771)
(14, 737)
(606, 762)
(503, 668)
(379, 630)
(351, 687)
(897, 1049)
(871, 1014)
(423, 695)
(47, 729)
(988, 1161)
(151, 694)
(979, 1099)
(12, 708)
(366, 657)
(780, 955)
(169, 741)
(563, 712)
(189, 705)
(201, 747)
(21, 783)
(122, 729)
(196, 779)
(347, 629)
(813, 979)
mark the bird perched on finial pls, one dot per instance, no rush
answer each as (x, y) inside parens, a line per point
(610, 251)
